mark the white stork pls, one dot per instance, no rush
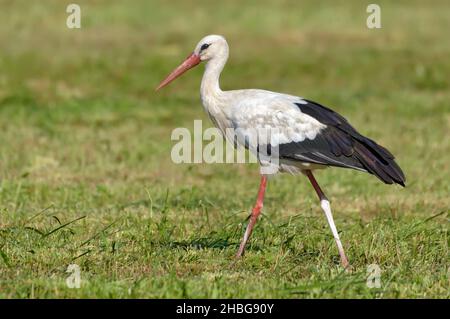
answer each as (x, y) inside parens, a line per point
(308, 135)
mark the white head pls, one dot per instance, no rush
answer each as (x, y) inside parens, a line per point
(210, 48)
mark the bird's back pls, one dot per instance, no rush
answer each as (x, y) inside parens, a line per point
(306, 132)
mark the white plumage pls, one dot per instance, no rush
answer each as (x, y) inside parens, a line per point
(305, 134)
(252, 110)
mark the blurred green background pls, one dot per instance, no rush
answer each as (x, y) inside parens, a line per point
(86, 175)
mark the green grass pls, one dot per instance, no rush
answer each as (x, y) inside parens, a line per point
(86, 175)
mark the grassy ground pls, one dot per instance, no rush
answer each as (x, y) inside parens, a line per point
(85, 170)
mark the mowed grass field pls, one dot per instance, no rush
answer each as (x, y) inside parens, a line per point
(86, 176)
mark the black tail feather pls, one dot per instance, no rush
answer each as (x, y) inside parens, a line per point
(350, 148)
(380, 162)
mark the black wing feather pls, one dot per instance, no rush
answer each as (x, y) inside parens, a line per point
(339, 144)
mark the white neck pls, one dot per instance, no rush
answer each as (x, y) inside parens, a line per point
(210, 87)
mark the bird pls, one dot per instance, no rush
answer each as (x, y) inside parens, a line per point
(303, 135)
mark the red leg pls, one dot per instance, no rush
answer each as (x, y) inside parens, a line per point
(325, 204)
(254, 216)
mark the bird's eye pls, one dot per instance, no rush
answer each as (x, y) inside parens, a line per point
(204, 46)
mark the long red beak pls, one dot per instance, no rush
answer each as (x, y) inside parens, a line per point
(191, 61)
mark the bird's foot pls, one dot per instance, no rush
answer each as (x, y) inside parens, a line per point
(345, 264)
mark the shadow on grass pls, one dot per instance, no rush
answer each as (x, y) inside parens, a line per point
(202, 243)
